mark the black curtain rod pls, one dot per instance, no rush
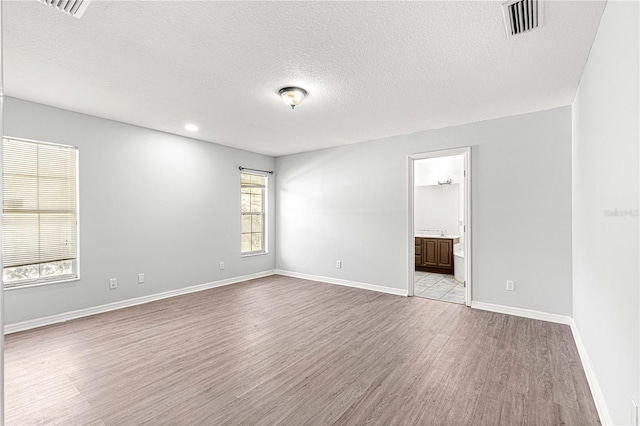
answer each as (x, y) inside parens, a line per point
(256, 170)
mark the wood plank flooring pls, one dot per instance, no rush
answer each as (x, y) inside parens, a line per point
(280, 350)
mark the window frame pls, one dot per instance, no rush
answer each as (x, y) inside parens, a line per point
(75, 267)
(264, 214)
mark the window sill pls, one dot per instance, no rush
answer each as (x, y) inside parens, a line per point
(262, 253)
(41, 283)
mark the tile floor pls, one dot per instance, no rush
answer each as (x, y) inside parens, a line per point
(438, 287)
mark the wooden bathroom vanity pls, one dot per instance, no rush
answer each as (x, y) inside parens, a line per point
(435, 253)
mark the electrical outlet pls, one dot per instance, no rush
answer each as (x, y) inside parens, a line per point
(511, 285)
(113, 283)
(634, 412)
(221, 266)
(140, 278)
(339, 264)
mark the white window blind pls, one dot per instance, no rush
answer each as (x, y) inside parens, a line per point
(253, 189)
(40, 212)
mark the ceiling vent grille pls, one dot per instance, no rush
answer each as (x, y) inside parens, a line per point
(521, 16)
(71, 7)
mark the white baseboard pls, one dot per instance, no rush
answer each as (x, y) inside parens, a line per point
(521, 312)
(337, 281)
(596, 391)
(66, 316)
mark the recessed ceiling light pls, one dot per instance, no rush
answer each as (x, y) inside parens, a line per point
(191, 127)
(292, 96)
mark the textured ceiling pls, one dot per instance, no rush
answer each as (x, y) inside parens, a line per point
(372, 69)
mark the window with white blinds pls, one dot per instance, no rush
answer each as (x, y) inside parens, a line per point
(253, 196)
(40, 212)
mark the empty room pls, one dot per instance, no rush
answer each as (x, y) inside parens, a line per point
(320, 212)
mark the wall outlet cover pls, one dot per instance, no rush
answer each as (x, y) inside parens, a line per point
(113, 283)
(511, 285)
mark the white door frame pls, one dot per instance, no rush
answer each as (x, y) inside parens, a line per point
(466, 152)
(1, 283)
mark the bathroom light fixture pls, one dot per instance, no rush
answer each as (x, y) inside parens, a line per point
(191, 127)
(292, 96)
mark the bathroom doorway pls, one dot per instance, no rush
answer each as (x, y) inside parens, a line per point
(439, 226)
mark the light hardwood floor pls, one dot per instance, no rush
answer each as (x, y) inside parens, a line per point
(280, 350)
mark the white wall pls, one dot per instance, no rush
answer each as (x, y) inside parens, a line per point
(150, 202)
(350, 203)
(436, 208)
(605, 178)
(429, 171)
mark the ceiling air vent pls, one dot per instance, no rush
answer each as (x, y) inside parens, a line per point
(70, 7)
(521, 16)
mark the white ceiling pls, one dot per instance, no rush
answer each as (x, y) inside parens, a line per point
(372, 69)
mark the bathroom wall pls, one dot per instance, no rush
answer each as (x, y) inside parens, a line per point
(437, 208)
(429, 171)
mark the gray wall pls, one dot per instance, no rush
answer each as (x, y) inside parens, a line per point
(605, 177)
(350, 203)
(150, 202)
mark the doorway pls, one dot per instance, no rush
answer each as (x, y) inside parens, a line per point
(440, 226)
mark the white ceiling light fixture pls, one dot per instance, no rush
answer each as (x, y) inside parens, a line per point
(293, 96)
(191, 127)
